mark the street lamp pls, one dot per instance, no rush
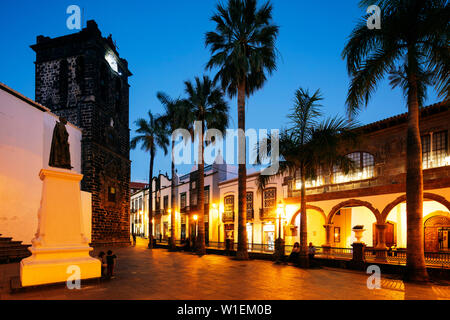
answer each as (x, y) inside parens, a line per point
(281, 213)
(218, 221)
(196, 219)
(279, 243)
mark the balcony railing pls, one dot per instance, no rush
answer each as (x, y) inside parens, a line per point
(185, 210)
(228, 216)
(267, 213)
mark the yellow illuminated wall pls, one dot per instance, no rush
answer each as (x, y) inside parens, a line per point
(398, 216)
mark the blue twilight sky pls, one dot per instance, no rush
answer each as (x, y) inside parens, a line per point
(163, 42)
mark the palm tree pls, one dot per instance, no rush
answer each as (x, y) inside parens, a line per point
(308, 147)
(151, 134)
(243, 48)
(413, 40)
(205, 104)
(174, 118)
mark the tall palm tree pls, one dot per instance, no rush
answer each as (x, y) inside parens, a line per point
(243, 49)
(174, 118)
(413, 40)
(307, 147)
(151, 135)
(206, 104)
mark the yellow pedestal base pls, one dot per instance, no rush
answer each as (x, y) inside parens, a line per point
(60, 251)
(55, 265)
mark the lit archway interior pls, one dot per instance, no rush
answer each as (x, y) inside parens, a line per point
(397, 218)
(316, 231)
(344, 221)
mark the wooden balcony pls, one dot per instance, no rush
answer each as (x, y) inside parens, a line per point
(268, 213)
(185, 210)
(228, 216)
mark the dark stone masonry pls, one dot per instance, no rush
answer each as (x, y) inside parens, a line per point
(82, 78)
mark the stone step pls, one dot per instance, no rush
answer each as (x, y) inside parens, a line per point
(5, 252)
(10, 244)
(12, 250)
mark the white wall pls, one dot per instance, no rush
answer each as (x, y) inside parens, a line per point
(25, 139)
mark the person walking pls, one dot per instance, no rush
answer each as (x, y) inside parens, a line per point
(110, 263)
(102, 258)
(134, 239)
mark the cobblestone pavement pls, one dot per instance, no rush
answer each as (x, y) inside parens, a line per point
(160, 275)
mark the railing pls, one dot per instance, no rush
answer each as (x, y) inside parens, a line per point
(267, 213)
(343, 186)
(184, 210)
(228, 216)
(435, 259)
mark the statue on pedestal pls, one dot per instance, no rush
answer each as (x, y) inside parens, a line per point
(60, 150)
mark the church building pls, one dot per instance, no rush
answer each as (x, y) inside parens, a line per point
(82, 78)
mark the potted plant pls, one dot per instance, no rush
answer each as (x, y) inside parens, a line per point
(358, 230)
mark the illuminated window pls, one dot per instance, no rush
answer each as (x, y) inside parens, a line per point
(166, 202)
(112, 194)
(206, 195)
(229, 203)
(426, 151)
(228, 214)
(249, 205)
(319, 181)
(364, 168)
(439, 147)
(249, 201)
(434, 150)
(183, 200)
(270, 198)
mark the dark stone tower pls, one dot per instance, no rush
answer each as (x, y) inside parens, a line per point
(81, 77)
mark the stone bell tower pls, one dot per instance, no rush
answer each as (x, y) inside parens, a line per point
(82, 77)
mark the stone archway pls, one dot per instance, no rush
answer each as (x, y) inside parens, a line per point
(354, 203)
(401, 199)
(309, 207)
(434, 226)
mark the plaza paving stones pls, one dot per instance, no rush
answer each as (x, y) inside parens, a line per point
(161, 275)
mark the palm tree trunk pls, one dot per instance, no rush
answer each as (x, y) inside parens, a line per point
(150, 202)
(242, 252)
(201, 249)
(303, 256)
(415, 260)
(172, 245)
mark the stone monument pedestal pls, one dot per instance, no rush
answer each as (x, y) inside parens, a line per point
(59, 246)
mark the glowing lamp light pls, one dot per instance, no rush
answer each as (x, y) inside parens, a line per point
(280, 210)
(195, 217)
(447, 161)
(214, 206)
